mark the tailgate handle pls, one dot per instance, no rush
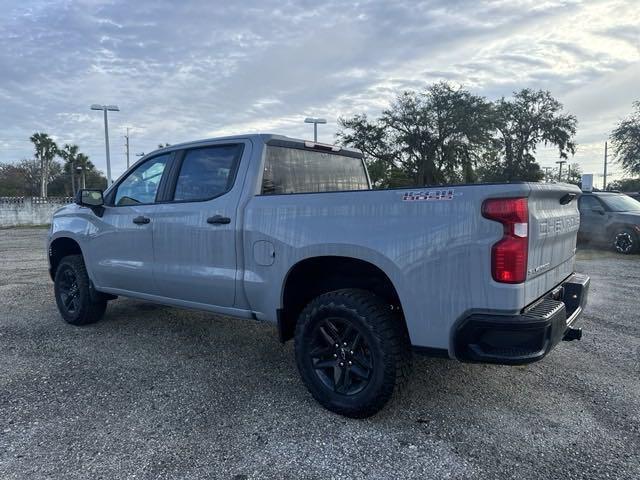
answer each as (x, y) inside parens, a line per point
(568, 198)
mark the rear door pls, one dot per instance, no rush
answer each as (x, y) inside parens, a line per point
(194, 231)
(553, 226)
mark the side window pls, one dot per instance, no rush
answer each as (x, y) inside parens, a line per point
(207, 172)
(587, 203)
(141, 185)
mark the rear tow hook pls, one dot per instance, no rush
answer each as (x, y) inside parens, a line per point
(572, 333)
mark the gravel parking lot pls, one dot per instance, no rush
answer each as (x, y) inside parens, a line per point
(158, 392)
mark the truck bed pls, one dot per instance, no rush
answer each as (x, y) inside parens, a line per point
(433, 244)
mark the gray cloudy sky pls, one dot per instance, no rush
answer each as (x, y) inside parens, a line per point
(191, 69)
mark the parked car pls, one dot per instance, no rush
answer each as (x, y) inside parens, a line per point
(288, 231)
(610, 219)
(634, 195)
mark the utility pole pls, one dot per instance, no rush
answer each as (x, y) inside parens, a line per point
(568, 172)
(560, 162)
(127, 146)
(604, 180)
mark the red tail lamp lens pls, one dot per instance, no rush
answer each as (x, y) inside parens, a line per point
(509, 256)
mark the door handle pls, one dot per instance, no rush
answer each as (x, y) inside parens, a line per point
(141, 220)
(218, 220)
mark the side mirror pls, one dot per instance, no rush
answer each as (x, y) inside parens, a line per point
(89, 198)
(92, 199)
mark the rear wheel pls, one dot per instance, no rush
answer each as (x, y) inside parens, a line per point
(352, 352)
(72, 289)
(625, 241)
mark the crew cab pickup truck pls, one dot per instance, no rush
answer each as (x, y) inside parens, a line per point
(289, 231)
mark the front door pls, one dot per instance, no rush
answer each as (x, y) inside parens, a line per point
(194, 232)
(121, 247)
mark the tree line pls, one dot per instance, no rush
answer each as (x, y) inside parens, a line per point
(44, 175)
(445, 134)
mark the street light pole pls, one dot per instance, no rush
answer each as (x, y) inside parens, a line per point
(315, 122)
(560, 162)
(127, 146)
(105, 109)
(604, 178)
(106, 142)
(80, 171)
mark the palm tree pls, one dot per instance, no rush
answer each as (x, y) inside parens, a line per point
(69, 154)
(45, 151)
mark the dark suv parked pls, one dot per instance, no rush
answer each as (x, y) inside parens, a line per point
(611, 219)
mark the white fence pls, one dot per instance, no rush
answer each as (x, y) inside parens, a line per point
(17, 211)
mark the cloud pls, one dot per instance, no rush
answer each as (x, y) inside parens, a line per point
(186, 70)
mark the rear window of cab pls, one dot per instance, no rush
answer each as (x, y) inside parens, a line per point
(292, 170)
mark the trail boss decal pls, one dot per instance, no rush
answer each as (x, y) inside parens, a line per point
(429, 195)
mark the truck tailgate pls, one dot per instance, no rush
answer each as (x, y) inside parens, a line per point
(553, 225)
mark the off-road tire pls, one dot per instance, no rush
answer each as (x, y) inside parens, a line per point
(380, 327)
(88, 306)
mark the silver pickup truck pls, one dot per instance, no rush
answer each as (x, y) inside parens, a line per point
(288, 231)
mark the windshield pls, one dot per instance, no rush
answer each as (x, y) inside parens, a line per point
(621, 203)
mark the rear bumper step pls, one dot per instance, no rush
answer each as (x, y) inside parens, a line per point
(528, 337)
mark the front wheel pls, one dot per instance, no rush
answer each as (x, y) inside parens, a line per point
(625, 241)
(352, 351)
(72, 289)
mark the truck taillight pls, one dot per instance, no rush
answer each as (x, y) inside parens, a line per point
(510, 255)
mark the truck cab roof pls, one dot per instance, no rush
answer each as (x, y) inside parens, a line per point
(265, 138)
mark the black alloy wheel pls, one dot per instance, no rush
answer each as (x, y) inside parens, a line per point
(625, 242)
(77, 302)
(340, 356)
(68, 290)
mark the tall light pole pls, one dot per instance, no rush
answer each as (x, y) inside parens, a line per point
(80, 171)
(315, 122)
(604, 177)
(105, 109)
(127, 146)
(560, 162)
